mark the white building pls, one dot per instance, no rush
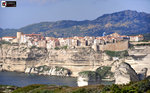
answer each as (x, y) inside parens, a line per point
(8, 38)
(136, 38)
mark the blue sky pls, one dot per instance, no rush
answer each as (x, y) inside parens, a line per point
(35, 11)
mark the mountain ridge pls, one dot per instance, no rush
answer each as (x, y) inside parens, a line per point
(125, 22)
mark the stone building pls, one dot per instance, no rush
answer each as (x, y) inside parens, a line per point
(136, 38)
(42, 43)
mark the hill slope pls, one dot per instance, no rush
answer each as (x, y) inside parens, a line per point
(125, 22)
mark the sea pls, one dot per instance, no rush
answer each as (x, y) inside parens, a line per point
(22, 79)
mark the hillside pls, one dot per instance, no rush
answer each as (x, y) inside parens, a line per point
(125, 22)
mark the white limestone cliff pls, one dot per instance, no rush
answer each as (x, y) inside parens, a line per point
(124, 74)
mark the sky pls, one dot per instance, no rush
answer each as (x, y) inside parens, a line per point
(34, 11)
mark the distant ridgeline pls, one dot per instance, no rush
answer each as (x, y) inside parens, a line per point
(125, 23)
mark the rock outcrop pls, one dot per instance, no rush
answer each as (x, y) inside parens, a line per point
(124, 74)
(87, 78)
(0, 67)
(142, 75)
(139, 58)
(49, 70)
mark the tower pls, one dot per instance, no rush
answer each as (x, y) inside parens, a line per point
(104, 33)
(19, 36)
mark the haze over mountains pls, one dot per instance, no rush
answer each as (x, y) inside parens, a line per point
(125, 22)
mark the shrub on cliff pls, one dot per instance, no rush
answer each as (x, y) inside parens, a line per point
(104, 71)
(117, 53)
(35, 47)
(42, 68)
(144, 44)
(63, 47)
(61, 68)
(88, 73)
(91, 75)
(4, 42)
(56, 48)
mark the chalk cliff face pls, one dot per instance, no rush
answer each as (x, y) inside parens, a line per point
(139, 58)
(14, 57)
(125, 74)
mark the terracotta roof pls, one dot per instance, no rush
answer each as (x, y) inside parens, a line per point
(70, 38)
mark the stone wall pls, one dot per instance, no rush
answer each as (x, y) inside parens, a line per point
(118, 46)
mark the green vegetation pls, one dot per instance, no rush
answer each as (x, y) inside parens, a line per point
(24, 49)
(131, 46)
(63, 47)
(61, 68)
(144, 44)
(101, 72)
(15, 44)
(104, 71)
(4, 42)
(35, 47)
(7, 88)
(119, 54)
(133, 87)
(29, 88)
(88, 73)
(43, 68)
(57, 48)
(144, 41)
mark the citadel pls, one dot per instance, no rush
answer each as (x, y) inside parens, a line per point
(113, 42)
